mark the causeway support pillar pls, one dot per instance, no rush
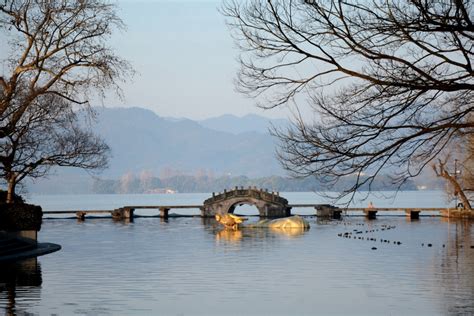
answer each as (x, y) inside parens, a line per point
(370, 214)
(81, 215)
(336, 213)
(412, 214)
(164, 212)
(328, 211)
(123, 213)
(128, 213)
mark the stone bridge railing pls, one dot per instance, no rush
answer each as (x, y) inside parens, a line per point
(251, 192)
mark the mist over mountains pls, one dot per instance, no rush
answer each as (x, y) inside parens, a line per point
(237, 125)
(141, 141)
(149, 152)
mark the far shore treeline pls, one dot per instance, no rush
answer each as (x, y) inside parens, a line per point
(196, 184)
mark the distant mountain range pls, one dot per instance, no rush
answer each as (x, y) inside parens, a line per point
(142, 141)
(144, 144)
(238, 125)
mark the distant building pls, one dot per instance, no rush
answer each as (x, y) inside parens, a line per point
(161, 191)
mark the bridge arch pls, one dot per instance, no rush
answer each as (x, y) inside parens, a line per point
(252, 204)
(269, 204)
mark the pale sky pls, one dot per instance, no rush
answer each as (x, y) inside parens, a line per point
(185, 59)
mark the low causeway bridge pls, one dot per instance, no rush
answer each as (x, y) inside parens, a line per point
(269, 204)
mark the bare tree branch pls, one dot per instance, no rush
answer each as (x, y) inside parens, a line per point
(58, 56)
(391, 82)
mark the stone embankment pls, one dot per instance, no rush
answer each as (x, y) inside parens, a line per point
(19, 226)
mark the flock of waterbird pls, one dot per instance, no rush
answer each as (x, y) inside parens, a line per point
(359, 235)
(353, 234)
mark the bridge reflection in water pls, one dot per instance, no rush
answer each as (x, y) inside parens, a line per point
(236, 236)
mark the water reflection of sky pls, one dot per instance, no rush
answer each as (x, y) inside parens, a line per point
(189, 266)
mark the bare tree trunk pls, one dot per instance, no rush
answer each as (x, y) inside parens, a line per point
(458, 191)
(11, 189)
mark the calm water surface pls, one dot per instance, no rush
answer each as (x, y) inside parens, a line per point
(190, 266)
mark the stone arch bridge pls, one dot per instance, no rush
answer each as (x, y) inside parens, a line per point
(269, 204)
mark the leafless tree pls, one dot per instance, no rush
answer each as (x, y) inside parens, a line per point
(48, 134)
(467, 168)
(456, 167)
(56, 58)
(391, 82)
(455, 186)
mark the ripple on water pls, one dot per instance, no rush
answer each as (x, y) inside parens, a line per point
(191, 267)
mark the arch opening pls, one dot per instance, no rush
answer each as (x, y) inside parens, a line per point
(244, 208)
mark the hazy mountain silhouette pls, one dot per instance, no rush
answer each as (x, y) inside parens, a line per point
(141, 140)
(238, 125)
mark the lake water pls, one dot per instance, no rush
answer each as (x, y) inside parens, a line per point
(190, 266)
